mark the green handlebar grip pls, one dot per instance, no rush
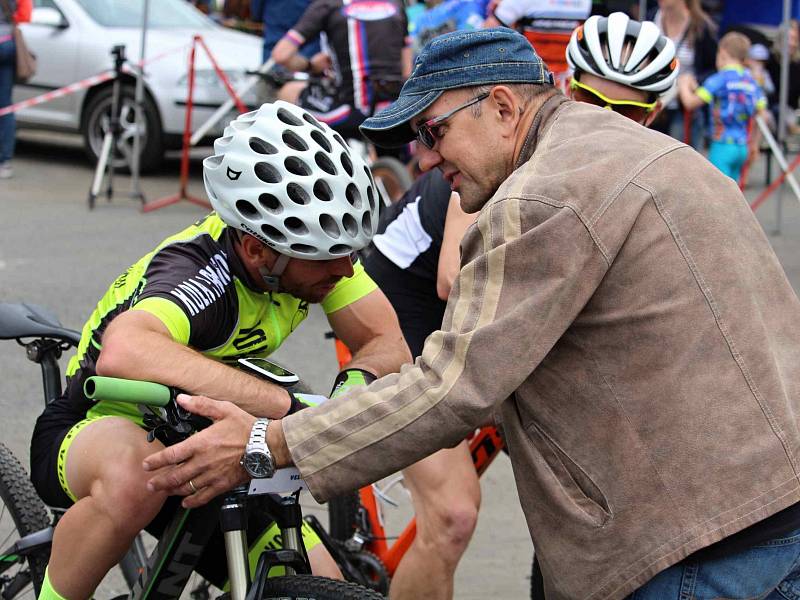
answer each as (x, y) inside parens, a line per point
(127, 390)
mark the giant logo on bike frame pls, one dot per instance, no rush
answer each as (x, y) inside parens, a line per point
(369, 10)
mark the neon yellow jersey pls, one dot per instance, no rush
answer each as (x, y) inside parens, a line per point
(195, 284)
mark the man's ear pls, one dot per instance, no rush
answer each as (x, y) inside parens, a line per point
(254, 253)
(507, 104)
(651, 116)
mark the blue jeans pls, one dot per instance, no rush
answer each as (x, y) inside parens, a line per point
(8, 61)
(769, 571)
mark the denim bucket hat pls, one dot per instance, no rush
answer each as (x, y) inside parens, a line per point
(456, 60)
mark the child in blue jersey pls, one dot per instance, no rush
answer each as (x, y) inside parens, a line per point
(735, 98)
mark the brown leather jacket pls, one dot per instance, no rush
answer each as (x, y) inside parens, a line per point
(620, 303)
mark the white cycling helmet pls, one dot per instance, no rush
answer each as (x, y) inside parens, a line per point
(599, 45)
(293, 183)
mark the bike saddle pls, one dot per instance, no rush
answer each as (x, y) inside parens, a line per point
(28, 320)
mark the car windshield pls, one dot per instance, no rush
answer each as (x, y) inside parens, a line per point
(161, 14)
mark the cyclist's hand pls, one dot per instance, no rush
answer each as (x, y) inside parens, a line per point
(320, 63)
(209, 458)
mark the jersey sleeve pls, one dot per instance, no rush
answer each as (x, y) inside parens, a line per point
(710, 89)
(349, 290)
(190, 289)
(311, 24)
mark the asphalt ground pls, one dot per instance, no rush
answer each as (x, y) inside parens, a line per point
(56, 253)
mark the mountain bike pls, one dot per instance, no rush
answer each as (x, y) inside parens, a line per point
(26, 525)
(358, 520)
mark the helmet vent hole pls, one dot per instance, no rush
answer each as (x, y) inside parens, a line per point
(294, 141)
(325, 163)
(339, 139)
(261, 147)
(370, 197)
(288, 118)
(366, 223)
(296, 166)
(303, 248)
(267, 173)
(322, 141)
(296, 226)
(350, 224)
(297, 194)
(273, 234)
(214, 161)
(329, 226)
(369, 174)
(270, 203)
(340, 250)
(224, 141)
(353, 196)
(347, 164)
(246, 209)
(241, 124)
(323, 191)
(311, 120)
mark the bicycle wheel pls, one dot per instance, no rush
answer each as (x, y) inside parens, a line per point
(311, 587)
(21, 513)
(392, 175)
(343, 515)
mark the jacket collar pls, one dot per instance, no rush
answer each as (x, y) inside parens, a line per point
(542, 116)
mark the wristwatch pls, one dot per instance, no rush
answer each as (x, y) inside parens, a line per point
(257, 459)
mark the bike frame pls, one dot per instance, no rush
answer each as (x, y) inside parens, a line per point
(484, 446)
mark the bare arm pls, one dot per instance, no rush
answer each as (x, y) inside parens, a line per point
(285, 54)
(369, 327)
(686, 91)
(455, 224)
(137, 345)
(406, 62)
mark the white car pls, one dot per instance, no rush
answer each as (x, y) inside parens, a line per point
(73, 40)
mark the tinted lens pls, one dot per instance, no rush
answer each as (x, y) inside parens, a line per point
(635, 113)
(582, 95)
(425, 137)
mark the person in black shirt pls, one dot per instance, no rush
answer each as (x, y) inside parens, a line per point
(369, 55)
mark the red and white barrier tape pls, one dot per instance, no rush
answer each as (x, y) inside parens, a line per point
(85, 83)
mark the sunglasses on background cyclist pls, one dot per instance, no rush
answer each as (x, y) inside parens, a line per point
(427, 132)
(627, 108)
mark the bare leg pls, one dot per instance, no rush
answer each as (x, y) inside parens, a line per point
(446, 496)
(104, 470)
(290, 92)
(322, 563)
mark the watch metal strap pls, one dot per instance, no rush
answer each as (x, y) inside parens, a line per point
(258, 434)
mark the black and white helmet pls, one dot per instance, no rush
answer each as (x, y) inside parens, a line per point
(293, 183)
(620, 49)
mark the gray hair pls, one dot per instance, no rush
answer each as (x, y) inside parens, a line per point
(525, 91)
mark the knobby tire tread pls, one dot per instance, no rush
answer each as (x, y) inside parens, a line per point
(25, 507)
(310, 587)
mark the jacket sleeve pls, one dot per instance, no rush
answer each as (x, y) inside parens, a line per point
(527, 270)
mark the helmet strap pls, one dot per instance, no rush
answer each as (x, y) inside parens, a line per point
(272, 277)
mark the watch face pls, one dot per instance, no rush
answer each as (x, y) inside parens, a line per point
(257, 464)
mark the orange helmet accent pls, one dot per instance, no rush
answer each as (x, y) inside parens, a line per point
(674, 64)
(579, 32)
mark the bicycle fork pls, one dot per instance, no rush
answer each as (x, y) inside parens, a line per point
(233, 520)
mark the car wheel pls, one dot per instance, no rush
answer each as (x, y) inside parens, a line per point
(96, 121)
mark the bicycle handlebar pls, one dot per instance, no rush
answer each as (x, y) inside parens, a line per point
(127, 390)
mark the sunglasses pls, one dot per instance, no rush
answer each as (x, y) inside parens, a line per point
(426, 131)
(632, 109)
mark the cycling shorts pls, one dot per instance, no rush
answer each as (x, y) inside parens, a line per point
(330, 109)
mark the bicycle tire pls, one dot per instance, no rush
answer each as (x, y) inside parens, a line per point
(28, 514)
(311, 587)
(343, 515)
(393, 174)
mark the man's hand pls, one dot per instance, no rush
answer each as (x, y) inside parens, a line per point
(320, 63)
(209, 459)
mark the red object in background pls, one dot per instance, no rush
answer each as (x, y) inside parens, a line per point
(24, 10)
(183, 194)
